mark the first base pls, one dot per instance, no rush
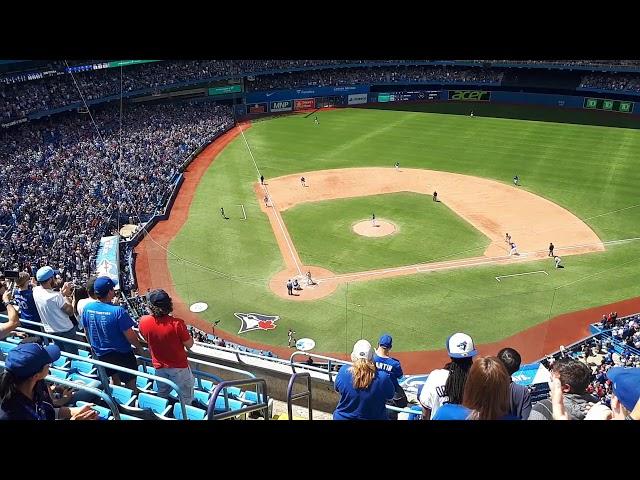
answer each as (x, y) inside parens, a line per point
(198, 307)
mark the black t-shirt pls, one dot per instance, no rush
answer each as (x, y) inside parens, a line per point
(21, 408)
(520, 403)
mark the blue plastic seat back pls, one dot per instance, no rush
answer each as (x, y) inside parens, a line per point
(83, 367)
(147, 369)
(6, 347)
(58, 373)
(220, 405)
(193, 413)
(84, 353)
(62, 362)
(128, 417)
(206, 385)
(157, 404)
(142, 383)
(103, 412)
(120, 394)
(202, 397)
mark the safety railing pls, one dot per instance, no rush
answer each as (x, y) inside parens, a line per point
(331, 363)
(261, 390)
(93, 391)
(306, 394)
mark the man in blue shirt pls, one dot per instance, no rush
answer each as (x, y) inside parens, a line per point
(109, 330)
(392, 366)
(23, 297)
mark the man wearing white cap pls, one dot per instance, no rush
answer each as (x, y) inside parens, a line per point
(54, 308)
(446, 385)
(364, 390)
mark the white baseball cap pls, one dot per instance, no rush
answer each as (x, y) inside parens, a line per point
(362, 349)
(460, 345)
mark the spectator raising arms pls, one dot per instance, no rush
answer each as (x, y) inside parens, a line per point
(363, 389)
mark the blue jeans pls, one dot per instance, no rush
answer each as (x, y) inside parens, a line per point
(64, 346)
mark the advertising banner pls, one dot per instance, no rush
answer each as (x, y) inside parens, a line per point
(225, 90)
(304, 104)
(108, 258)
(356, 98)
(608, 105)
(257, 108)
(281, 106)
(470, 95)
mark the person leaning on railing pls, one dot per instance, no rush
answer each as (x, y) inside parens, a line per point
(12, 313)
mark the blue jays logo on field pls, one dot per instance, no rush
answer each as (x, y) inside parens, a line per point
(256, 321)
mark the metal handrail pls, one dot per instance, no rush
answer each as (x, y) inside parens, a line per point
(261, 391)
(291, 397)
(330, 360)
(94, 391)
(102, 373)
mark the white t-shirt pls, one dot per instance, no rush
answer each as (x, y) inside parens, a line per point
(49, 305)
(432, 395)
(80, 307)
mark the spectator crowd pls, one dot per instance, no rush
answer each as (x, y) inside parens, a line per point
(62, 188)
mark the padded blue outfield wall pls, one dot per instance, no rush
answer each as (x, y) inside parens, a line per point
(265, 99)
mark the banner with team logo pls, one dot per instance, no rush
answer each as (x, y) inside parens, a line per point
(108, 258)
(357, 98)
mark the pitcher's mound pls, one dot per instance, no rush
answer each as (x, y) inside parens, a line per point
(382, 228)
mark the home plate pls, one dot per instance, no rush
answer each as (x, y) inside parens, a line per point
(198, 307)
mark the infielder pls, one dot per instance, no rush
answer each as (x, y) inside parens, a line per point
(507, 238)
(514, 249)
(266, 201)
(373, 219)
(551, 247)
(397, 166)
(557, 261)
(516, 179)
(303, 181)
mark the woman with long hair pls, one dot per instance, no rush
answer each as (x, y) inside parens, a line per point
(364, 390)
(23, 392)
(486, 394)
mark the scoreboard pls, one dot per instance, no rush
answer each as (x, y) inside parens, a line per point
(622, 106)
(408, 96)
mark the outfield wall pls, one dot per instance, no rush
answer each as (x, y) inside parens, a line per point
(287, 101)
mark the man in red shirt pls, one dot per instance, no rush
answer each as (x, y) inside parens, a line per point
(167, 337)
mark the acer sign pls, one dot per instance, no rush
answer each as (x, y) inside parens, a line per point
(470, 95)
(281, 106)
(304, 104)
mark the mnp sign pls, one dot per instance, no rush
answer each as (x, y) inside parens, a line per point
(281, 106)
(470, 95)
(357, 98)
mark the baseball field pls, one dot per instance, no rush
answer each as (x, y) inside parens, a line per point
(438, 267)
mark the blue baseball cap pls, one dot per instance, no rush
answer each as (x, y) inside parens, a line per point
(626, 385)
(385, 341)
(27, 359)
(103, 285)
(45, 273)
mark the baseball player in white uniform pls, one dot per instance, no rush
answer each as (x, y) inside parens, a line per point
(557, 261)
(514, 249)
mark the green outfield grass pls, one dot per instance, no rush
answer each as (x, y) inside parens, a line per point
(591, 170)
(427, 231)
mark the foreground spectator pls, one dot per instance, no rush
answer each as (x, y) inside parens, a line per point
(363, 389)
(574, 377)
(392, 366)
(14, 317)
(54, 308)
(625, 398)
(486, 394)
(109, 329)
(520, 402)
(83, 302)
(168, 338)
(23, 392)
(23, 297)
(447, 385)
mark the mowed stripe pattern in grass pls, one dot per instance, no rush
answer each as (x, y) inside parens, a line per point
(590, 170)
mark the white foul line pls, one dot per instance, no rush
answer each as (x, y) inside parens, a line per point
(273, 204)
(518, 274)
(243, 212)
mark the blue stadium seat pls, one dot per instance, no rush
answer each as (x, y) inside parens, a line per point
(193, 413)
(58, 373)
(86, 381)
(6, 347)
(147, 369)
(84, 368)
(160, 406)
(103, 412)
(15, 340)
(84, 353)
(220, 407)
(202, 397)
(126, 417)
(206, 385)
(249, 397)
(122, 395)
(143, 383)
(233, 392)
(62, 363)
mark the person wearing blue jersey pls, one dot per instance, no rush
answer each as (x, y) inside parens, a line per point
(385, 363)
(364, 390)
(23, 297)
(109, 330)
